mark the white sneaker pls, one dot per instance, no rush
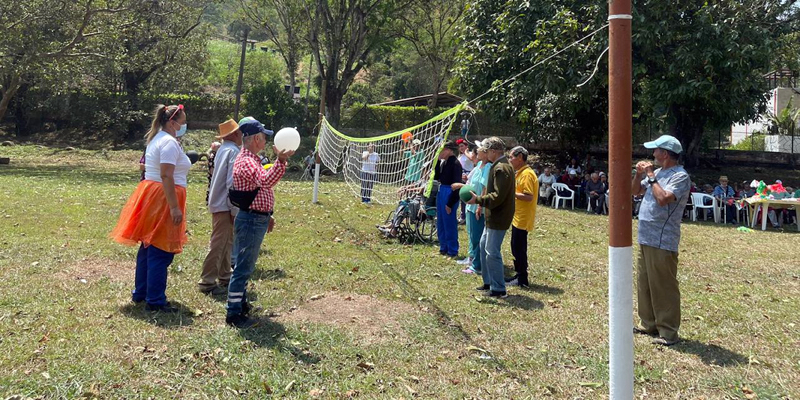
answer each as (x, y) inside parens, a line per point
(464, 261)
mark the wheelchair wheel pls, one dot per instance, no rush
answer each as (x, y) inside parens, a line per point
(426, 230)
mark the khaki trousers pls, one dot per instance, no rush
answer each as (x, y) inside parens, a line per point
(658, 295)
(217, 266)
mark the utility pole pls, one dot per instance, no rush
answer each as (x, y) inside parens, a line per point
(317, 160)
(620, 249)
(241, 73)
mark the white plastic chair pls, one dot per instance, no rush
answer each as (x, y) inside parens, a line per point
(698, 202)
(560, 188)
(589, 204)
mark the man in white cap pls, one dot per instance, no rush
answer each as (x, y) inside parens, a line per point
(218, 264)
(666, 191)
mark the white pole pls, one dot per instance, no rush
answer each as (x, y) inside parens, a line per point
(315, 197)
(620, 322)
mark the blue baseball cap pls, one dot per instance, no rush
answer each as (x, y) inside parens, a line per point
(665, 142)
(252, 127)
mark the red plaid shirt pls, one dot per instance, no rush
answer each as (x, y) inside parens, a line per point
(248, 174)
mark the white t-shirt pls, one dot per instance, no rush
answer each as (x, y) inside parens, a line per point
(369, 163)
(466, 164)
(544, 179)
(164, 149)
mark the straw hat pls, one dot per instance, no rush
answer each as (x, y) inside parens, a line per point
(226, 128)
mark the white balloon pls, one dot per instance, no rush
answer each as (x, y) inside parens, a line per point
(287, 139)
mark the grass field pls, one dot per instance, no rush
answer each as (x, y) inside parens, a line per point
(345, 313)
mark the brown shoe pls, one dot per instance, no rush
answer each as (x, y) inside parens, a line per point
(665, 342)
(640, 331)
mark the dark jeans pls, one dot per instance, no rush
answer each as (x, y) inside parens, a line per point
(519, 250)
(249, 231)
(151, 275)
(367, 182)
(597, 202)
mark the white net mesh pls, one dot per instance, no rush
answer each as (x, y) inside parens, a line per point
(380, 168)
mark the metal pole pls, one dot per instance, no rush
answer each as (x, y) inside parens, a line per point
(323, 91)
(620, 250)
(241, 74)
(308, 82)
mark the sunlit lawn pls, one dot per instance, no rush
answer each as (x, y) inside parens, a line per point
(68, 329)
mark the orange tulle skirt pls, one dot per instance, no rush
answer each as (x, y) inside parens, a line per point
(146, 219)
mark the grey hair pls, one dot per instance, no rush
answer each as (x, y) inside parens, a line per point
(595, 174)
(520, 151)
(247, 140)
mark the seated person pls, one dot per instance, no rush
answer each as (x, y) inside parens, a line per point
(725, 195)
(596, 192)
(546, 181)
(709, 190)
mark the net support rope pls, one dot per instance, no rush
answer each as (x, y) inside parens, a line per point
(382, 168)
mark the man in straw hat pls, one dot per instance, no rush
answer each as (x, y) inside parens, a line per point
(666, 191)
(218, 264)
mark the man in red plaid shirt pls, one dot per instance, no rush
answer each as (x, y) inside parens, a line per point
(253, 222)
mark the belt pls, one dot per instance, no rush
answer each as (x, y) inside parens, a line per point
(266, 213)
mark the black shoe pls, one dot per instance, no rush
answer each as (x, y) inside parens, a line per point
(166, 308)
(511, 279)
(239, 321)
(444, 253)
(482, 288)
(499, 295)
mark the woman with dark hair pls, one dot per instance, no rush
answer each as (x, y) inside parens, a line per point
(153, 217)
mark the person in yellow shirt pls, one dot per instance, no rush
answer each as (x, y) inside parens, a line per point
(526, 197)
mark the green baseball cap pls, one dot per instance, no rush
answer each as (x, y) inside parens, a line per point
(665, 142)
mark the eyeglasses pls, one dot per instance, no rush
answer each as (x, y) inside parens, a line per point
(174, 113)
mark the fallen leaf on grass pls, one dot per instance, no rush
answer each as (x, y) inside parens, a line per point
(316, 297)
(366, 366)
(351, 393)
(315, 392)
(289, 386)
(591, 384)
(748, 393)
(45, 375)
(197, 313)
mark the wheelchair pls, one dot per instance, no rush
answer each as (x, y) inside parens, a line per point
(411, 222)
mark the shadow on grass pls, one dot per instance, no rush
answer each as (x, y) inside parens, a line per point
(710, 354)
(163, 320)
(268, 274)
(544, 289)
(73, 173)
(523, 302)
(268, 333)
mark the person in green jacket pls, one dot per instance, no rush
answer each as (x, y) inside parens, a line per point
(498, 206)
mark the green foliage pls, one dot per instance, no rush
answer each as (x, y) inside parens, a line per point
(785, 122)
(269, 103)
(754, 142)
(696, 66)
(222, 70)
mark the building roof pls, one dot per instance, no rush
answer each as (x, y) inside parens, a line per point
(444, 100)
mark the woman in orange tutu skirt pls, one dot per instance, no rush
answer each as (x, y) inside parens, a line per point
(153, 217)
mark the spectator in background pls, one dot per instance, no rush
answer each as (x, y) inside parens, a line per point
(415, 159)
(582, 192)
(546, 181)
(573, 164)
(596, 193)
(604, 179)
(570, 178)
(725, 195)
(369, 173)
(694, 188)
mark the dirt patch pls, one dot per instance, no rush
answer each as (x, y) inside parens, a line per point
(371, 319)
(92, 270)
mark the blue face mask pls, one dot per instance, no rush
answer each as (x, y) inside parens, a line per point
(181, 131)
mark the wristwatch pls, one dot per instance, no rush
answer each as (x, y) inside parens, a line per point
(651, 180)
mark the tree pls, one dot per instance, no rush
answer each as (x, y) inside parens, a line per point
(342, 35)
(431, 28)
(286, 25)
(63, 30)
(701, 64)
(502, 39)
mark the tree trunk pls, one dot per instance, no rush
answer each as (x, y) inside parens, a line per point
(292, 76)
(8, 94)
(690, 133)
(133, 83)
(333, 105)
